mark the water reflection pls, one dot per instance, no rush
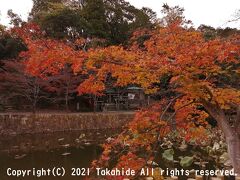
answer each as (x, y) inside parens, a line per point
(61, 149)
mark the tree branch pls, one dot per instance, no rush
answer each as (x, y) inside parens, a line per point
(237, 122)
(218, 114)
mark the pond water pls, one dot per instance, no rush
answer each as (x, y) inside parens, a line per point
(72, 149)
(62, 149)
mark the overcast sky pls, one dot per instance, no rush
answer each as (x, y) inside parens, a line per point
(210, 12)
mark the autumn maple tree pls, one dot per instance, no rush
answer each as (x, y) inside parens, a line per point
(64, 84)
(204, 82)
(197, 68)
(22, 85)
(45, 56)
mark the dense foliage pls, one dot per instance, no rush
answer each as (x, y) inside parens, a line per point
(193, 74)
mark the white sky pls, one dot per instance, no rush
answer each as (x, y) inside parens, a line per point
(210, 12)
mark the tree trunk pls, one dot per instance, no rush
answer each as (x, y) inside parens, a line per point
(36, 90)
(234, 152)
(231, 134)
(66, 99)
(34, 108)
(94, 103)
(66, 103)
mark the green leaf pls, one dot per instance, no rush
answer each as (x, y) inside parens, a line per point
(168, 154)
(224, 157)
(186, 161)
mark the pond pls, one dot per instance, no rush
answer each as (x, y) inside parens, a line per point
(61, 149)
(70, 149)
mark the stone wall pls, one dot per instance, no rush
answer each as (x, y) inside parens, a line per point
(14, 124)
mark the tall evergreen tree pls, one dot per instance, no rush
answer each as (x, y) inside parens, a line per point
(112, 20)
(94, 14)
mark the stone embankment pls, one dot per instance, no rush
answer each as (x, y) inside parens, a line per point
(23, 123)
